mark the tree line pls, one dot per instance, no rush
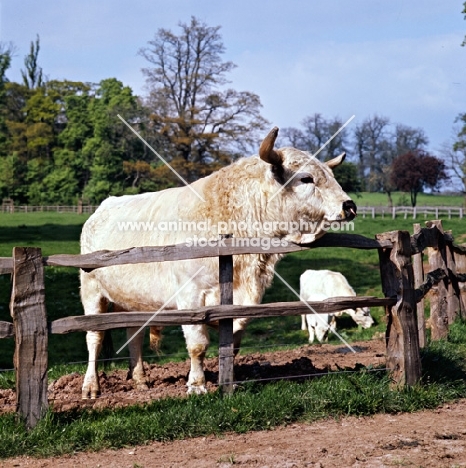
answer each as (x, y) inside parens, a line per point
(64, 140)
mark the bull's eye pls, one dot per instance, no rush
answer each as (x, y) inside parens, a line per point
(307, 180)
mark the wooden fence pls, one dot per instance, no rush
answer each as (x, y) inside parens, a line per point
(403, 288)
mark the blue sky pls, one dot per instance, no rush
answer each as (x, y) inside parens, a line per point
(394, 58)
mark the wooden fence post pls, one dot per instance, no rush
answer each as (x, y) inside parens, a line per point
(402, 339)
(439, 293)
(27, 307)
(225, 327)
(453, 293)
(418, 270)
(460, 262)
(454, 306)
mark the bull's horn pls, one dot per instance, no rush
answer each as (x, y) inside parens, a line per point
(266, 151)
(336, 161)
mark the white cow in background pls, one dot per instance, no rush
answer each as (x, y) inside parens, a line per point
(281, 193)
(317, 285)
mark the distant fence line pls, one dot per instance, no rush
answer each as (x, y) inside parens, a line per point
(426, 212)
(79, 209)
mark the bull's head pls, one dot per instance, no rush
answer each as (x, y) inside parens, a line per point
(311, 180)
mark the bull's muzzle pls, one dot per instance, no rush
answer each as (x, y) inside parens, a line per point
(350, 209)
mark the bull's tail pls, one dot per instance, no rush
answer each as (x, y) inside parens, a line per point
(155, 337)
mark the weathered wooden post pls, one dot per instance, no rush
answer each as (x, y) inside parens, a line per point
(460, 262)
(418, 270)
(402, 338)
(27, 307)
(225, 331)
(439, 293)
(454, 306)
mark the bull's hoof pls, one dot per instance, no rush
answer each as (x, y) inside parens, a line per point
(142, 386)
(91, 388)
(93, 394)
(196, 389)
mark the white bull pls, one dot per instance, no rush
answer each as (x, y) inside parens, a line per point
(283, 193)
(317, 285)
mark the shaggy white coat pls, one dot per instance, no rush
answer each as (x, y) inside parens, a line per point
(251, 189)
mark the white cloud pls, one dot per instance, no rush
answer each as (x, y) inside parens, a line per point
(411, 80)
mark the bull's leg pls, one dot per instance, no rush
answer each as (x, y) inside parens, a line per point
(303, 322)
(136, 368)
(91, 385)
(135, 340)
(311, 330)
(93, 303)
(197, 342)
(239, 326)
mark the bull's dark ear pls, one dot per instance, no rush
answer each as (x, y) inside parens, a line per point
(266, 151)
(336, 161)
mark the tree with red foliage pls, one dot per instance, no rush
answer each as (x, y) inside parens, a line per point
(417, 170)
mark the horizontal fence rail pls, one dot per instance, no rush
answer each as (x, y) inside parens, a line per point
(211, 314)
(231, 246)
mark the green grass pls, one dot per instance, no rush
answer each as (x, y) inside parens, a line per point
(252, 407)
(54, 233)
(403, 199)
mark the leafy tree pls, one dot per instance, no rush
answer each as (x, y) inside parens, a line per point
(403, 140)
(194, 120)
(11, 176)
(409, 139)
(32, 75)
(372, 143)
(110, 142)
(15, 150)
(464, 12)
(35, 138)
(322, 137)
(61, 184)
(347, 176)
(6, 53)
(455, 153)
(146, 177)
(415, 171)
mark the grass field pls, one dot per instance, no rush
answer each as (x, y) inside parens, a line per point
(403, 199)
(256, 407)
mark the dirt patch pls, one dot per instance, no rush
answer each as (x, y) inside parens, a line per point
(169, 380)
(428, 439)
